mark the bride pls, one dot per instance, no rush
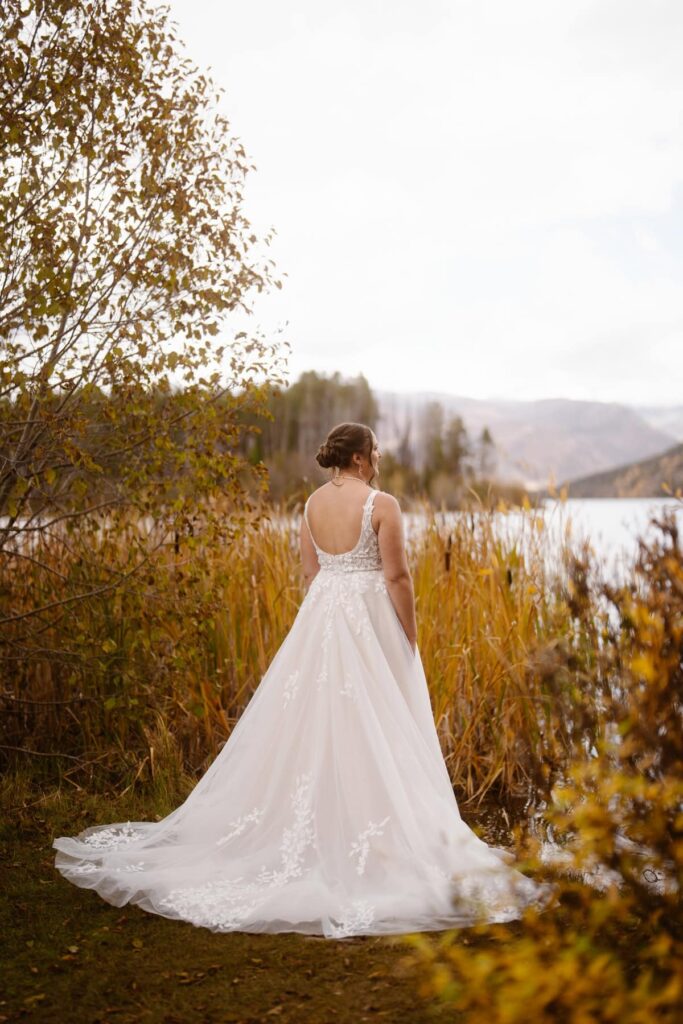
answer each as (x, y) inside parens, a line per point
(329, 810)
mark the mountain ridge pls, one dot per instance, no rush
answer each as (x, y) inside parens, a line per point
(541, 441)
(640, 479)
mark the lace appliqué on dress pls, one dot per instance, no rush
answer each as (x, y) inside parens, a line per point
(238, 826)
(342, 590)
(356, 917)
(290, 687)
(104, 838)
(87, 867)
(224, 905)
(494, 896)
(361, 846)
(348, 689)
(342, 579)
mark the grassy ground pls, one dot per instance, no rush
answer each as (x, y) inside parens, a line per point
(71, 957)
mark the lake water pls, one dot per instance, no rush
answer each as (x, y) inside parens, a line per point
(610, 525)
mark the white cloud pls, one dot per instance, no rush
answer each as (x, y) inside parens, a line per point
(468, 196)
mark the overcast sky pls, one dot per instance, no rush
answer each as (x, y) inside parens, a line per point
(476, 196)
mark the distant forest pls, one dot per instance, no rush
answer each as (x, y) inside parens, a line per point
(146, 438)
(434, 456)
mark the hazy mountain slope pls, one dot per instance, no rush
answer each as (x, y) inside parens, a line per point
(641, 479)
(668, 418)
(550, 439)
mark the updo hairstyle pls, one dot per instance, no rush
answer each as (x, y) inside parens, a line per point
(342, 442)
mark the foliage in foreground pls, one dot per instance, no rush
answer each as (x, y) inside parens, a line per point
(612, 947)
(125, 257)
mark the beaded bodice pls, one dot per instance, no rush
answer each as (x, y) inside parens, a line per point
(364, 556)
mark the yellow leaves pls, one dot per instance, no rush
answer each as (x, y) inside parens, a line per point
(672, 993)
(674, 567)
(564, 796)
(649, 624)
(440, 980)
(643, 665)
(551, 973)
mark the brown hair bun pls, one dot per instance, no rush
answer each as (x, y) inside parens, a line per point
(342, 442)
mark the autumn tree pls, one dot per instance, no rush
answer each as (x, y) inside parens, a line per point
(432, 443)
(486, 454)
(124, 259)
(457, 447)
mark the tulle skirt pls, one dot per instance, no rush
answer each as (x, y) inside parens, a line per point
(328, 811)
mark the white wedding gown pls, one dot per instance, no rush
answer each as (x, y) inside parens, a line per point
(329, 809)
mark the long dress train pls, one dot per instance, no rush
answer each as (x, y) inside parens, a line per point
(329, 810)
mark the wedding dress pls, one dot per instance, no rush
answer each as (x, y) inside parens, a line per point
(329, 810)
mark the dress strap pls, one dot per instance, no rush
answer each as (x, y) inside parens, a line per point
(367, 508)
(308, 525)
(366, 519)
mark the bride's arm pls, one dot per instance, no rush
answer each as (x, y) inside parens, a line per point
(309, 559)
(395, 563)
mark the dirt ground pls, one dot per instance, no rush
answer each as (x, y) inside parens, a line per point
(70, 957)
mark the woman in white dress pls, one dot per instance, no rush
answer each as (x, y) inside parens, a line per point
(329, 810)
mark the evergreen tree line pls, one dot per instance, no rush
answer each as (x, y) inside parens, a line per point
(431, 455)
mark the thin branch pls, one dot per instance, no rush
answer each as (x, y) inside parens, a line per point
(34, 561)
(49, 703)
(69, 515)
(40, 753)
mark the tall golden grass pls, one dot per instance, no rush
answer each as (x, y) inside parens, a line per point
(144, 683)
(492, 620)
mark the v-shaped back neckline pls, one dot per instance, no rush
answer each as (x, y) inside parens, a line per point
(338, 554)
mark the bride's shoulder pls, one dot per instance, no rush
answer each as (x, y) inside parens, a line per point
(387, 503)
(322, 487)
